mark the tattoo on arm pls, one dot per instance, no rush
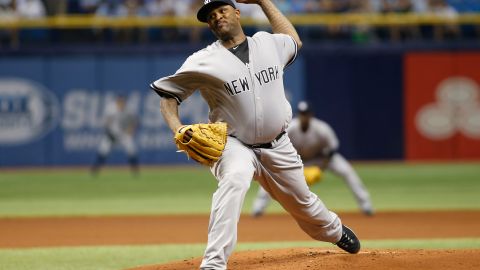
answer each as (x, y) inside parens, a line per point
(280, 24)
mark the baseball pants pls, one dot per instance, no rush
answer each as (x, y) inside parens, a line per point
(341, 167)
(280, 172)
(125, 140)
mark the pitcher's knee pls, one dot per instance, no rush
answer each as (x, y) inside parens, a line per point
(237, 180)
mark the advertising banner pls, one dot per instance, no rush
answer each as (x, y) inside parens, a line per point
(442, 106)
(52, 108)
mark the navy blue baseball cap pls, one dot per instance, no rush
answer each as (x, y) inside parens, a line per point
(208, 5)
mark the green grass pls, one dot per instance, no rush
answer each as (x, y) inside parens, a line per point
(115, 191)
(121, 257)
(94, 258)
(409, 187)
(393, 186)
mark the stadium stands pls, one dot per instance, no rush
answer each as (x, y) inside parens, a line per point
(43, 22)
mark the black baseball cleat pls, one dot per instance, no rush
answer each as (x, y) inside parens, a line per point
(349, 241)
(368, 212)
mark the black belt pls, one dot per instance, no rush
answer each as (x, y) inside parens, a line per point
(269, 144)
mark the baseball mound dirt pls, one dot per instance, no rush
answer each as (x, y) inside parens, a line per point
(311, 258)
(141, 230)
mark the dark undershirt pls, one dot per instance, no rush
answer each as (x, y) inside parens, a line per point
(241, 51)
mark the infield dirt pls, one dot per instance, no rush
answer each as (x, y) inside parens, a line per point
(311, 258)
(140, 230)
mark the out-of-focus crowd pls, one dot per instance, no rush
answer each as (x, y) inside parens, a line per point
(29, 9)
(40, 8)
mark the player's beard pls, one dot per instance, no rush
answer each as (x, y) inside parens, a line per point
(304, 125)
(227, 32)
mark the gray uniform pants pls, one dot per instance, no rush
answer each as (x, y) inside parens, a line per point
(125, 140)
(280, 172)
(339, 166)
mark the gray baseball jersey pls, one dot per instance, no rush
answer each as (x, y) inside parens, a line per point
(118, 121)
(318, 140)
(313, 145)
(250, 100)
(118, 124)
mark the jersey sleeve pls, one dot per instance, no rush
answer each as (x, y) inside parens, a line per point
(287, 48)
(180, 85)
(292, 126)
(110, 111)
(331, 139)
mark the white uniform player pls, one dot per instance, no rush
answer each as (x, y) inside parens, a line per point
(120, 125)
(317, 144)
(241, 79)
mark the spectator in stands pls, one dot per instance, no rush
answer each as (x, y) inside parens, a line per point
(127, 8)
(109, 8)
(325, 6)
(188, 9)
(7, 8)
(7, 12)
(363, 33)
(284, 6)
(420, 6)
(398, 33)
(335, 32)
(169, 7)
(30, 9)
(396, 6)
(311, 6)
(89, 6)
(253, 12)
(118, 8)
(55, 7)
(257, 16)
(158, 8)
(196, 31)
(333, 6)
(443, 9)
(175, 8)
(297, 6)
(132, 8)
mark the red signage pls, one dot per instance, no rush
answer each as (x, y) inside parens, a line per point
(442, 106)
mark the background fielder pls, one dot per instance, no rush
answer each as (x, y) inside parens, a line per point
(120, 126)
(317, 144)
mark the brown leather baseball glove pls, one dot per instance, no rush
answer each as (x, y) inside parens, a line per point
(202, 142)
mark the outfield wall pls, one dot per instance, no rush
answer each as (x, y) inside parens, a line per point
(51, 104)
(388, 102)
(399, 102)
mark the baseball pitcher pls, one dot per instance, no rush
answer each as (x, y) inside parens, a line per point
(241, 79)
